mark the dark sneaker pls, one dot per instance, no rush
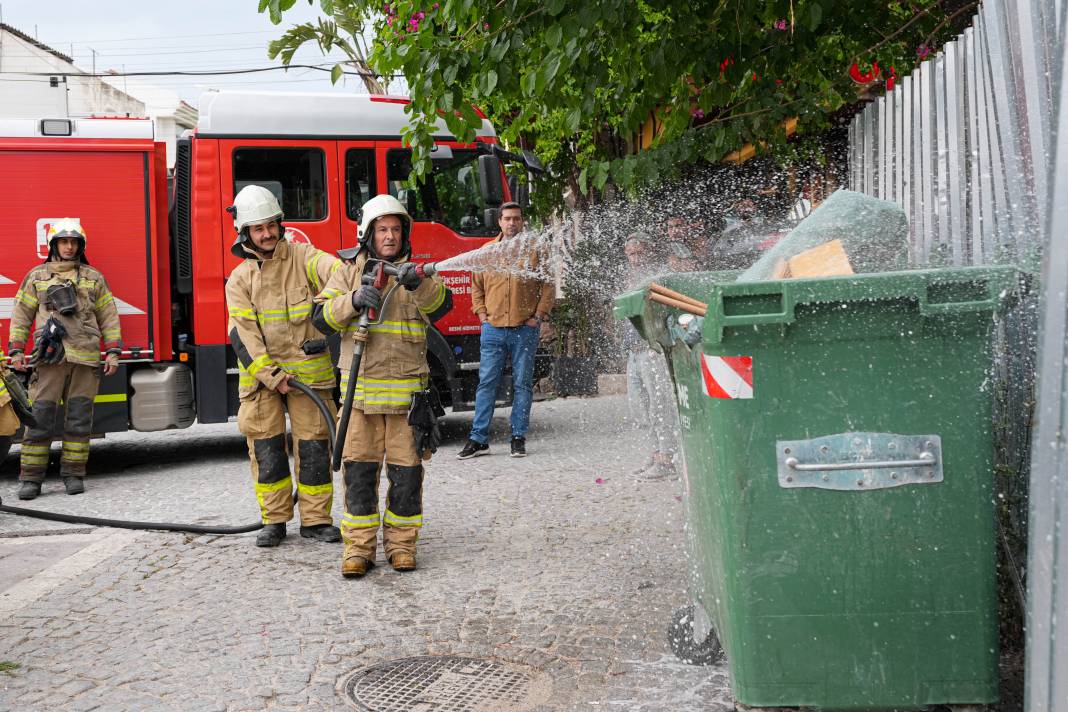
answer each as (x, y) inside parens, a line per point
(473, 449)
(271, 535)
(519, 447)
(321, 532)
(74, 485)
(29, 490)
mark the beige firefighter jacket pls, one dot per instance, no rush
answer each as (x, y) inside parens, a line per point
(394, 358)
(96, 317)
(270, 307)
(509, 300)
(5, 397)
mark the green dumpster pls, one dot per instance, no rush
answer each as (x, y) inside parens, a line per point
(838, 461)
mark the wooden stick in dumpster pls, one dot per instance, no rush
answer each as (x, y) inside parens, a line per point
(677, 296)
(681, 306)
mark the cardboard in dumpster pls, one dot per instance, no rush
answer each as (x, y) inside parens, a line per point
(826, 260)
(874, 234)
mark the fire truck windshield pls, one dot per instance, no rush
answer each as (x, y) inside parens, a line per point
(450, 195)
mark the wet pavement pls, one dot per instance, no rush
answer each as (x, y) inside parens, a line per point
(563, 565)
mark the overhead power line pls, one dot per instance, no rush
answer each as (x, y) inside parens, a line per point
(326, 67)
(164, 37)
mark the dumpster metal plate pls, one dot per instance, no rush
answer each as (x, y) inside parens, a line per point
(859, 461)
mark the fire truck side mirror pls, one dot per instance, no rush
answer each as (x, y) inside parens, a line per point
(489, 180)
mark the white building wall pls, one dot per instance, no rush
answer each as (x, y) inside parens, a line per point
(33, 96)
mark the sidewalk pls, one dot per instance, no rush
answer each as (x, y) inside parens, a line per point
(562, 564)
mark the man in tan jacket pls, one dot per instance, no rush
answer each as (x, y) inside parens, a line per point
(392, 371)
(269, 297)
(74, 310)
(511, 309)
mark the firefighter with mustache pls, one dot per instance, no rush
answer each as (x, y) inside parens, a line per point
(269, 298)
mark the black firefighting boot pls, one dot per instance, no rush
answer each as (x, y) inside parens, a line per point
(29, 490)
(74, 485)
(271, 535)
(321, 532)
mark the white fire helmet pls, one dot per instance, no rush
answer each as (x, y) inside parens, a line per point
(377, 207)
(66, 227)
(255, 205)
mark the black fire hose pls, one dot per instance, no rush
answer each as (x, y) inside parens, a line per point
(166, 526)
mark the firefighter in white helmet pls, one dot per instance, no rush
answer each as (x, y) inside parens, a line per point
(75, 311)
(269, 297)
(393, 373)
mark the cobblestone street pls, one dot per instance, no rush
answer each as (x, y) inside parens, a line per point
(564, 563)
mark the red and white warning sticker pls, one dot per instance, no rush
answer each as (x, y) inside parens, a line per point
(727, 376)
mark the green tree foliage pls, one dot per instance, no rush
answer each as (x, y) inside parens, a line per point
(576, 80)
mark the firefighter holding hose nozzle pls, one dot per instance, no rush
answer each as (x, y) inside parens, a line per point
(74, 310)
(269, 298)
(391, 416)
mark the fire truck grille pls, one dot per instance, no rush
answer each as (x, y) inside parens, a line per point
(183, 233)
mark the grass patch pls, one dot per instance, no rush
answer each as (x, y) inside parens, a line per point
(9, 668)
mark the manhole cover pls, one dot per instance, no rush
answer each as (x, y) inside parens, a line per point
(446, 684)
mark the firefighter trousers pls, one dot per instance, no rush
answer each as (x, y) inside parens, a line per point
(261, 418)
(372, 439)
(60, 390)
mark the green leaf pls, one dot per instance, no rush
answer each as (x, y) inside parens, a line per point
(263, 5)
(554, 7)
(582, 181)
(327, 6)
(336, 73)
(574, 118)
(528, 82)
(449, 75)
(553, 35)
(498, 50)
(815, 15)
(404, 49)
(489, 81)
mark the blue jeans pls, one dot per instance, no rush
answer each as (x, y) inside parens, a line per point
(497, 345)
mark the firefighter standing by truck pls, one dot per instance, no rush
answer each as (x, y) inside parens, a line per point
(74, 310)
(269, 297)
(391, 386)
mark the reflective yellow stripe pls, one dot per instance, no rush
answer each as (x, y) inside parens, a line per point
(104, 300)
(259, 364)
(399, 521)
(75, 445)
(242, 313)
(284, 314)
(87, 283)
(411, 328)
(328, 314)
(316, 489)
(110, 398)
(287, 483)
(438, 300)
(112, 334)
(3, 388)
(364, 521)
(29, 300)
(310, 268)
(35, 454)
(83, 355)
(19, 333)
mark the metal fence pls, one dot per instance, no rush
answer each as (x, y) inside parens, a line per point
(966, 145)
(962, 143)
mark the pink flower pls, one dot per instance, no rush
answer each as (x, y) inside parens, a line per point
(385, 9)
(420, 15)
(414, 23)
(485, 26)
(697, 113)
(923, 50)
(436, 6)
(599, 481)
(389, 20)
(780, 24)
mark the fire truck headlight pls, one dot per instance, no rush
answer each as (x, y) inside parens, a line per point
(56, 127)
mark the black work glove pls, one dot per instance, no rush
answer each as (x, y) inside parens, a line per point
(424, 422)
(366, 297)
(408, 275)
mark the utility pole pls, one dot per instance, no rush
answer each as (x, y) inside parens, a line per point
(94, 59)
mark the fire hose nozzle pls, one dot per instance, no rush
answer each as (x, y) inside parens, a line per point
(427, 269)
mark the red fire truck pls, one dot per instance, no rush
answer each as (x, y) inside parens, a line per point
(164, 244)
